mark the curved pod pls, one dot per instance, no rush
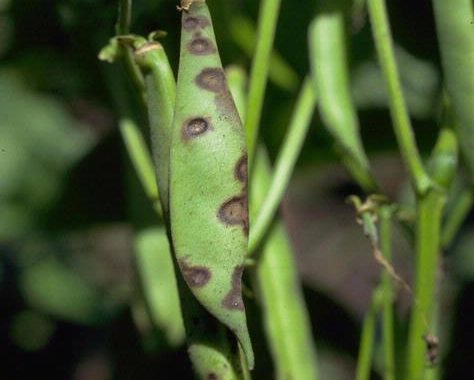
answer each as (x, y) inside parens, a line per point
(208, 178)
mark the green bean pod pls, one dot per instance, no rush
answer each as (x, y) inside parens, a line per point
(455, 28)
(444, 159)
(154, 264)
(208, 178)
(330, 73)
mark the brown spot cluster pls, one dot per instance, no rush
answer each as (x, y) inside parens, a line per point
(233, 299)
(212, 376)
(195, 127)
(235, 210)
(195, 276)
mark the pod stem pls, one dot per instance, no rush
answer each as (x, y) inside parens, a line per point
(401, 120)
(123, 28)
(267, 23)
(285, 163)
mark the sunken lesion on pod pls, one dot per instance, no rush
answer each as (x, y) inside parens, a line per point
(193, 23)
(195, 127)
(235, 212)
(196, 276)
(201, 45)
(241, 169)
(233, 300)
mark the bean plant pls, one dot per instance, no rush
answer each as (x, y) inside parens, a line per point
(216, 193)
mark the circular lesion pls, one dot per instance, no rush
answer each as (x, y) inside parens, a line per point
(212, 79)
(195, 127)
(201, 46)
(196, 276)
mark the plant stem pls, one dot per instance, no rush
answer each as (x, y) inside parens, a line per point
(458, 214)
(401, 120)
(428, 230)
(280, 71)
(364, 361)
(122, 28)
(387, 286)
(285, 163)
(267, 22)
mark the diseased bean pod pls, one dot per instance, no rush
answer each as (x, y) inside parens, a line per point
(208, 178)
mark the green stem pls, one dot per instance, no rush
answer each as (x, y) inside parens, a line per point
(141, 160)
(401, 120)
(364, 361)
(123, 28)
(258, 79)
(387, 286)
(280, 71)
(285, 163)
(428, 230)
(457, 216)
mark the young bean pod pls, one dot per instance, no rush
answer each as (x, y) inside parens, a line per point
(208, 178)
(330, 73)
(160, 88)
(455, 28)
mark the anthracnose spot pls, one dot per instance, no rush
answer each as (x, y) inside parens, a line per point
(212, 376)
(191, 22)
(194, 127)
(234, 211)
(195, 276)
(233, 299)
(212, 79)
(201, 46)
(241, 169)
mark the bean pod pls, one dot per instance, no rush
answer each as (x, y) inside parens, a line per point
(208, 178)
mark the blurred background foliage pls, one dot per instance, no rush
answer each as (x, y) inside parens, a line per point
(70, 204)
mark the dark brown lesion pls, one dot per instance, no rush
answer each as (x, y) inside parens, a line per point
(195, 127)
(201, 46)
(196, 276)
(212, 79)
(233, 300)
(191, 23)
(234, 211)
(241, 170)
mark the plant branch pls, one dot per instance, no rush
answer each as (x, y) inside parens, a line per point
(258, 79)
(401, 120)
